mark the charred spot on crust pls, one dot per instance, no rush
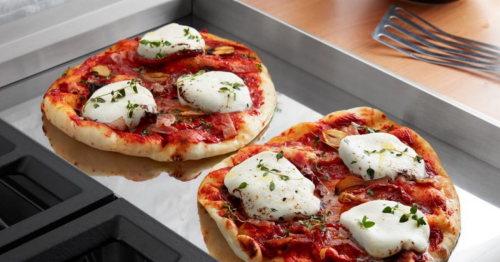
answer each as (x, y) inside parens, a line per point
(249, 247)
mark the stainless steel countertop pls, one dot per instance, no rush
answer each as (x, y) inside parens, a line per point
(173, 202)
(305, 97)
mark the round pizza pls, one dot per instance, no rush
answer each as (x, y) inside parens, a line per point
(353, 186)
(175, 94)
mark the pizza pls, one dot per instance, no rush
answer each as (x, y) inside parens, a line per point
(353, 186)
(175, 94)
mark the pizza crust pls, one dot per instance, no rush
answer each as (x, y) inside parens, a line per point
(102, 137)
(374, 119)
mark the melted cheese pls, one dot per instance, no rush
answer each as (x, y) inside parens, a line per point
(391, 158)
(104, 111)
(388, 236)
(288, 199)
(170, 39)
(215, 91)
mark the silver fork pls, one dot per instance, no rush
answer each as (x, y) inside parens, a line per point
(412, 35)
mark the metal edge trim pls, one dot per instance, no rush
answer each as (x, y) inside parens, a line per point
(65, 41)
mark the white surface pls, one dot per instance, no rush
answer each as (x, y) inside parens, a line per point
(387, 236)
(289, 198)
(391, 156)
(479, 240)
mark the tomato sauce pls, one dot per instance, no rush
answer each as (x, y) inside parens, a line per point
(124, 63)
(298, 239)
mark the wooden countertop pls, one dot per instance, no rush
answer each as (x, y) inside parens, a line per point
(349, 25)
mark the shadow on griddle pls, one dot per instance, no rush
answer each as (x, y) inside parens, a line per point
(96, 162)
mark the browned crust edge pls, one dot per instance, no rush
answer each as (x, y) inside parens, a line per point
(374, 119)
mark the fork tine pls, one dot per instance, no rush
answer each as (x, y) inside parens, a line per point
(463, 39)
(412, 44)
(442, 56)
(442, 40)
(434, 61)
(441, 48)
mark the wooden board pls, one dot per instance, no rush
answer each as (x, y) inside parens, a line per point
(349, 25)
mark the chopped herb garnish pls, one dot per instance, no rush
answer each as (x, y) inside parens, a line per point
(418, 158)
(390, 210)
(259, 67)
(279, 155)
(140, 69)
(370, 172)
(154, 43)
(316, 221)
(130, 108)
(190, 36)
(369, 191)
(414, 209)
(231, 90)
(273, 171)
(353, 162)
(367, 129)
(272, 186)
(231, 212)
(243, 185)
(389, 129)
(406, 216)
(316, 141)
(365, 224)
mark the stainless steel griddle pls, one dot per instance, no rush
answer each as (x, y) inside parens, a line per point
(313, 78)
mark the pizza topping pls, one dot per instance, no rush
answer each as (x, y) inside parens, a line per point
(101, 70)
(390, 232)
(333, 137)
(214, 91)
(228, 129)
(118, 124)
(164, 120)
(170, 39)
(221, 50)
(125, 99)
(275, 189)
(377, 155)
(155, 77)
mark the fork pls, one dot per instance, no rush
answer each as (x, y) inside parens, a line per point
(412, 35)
